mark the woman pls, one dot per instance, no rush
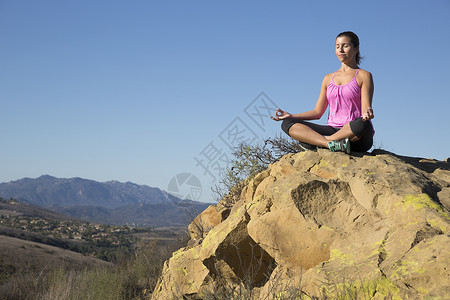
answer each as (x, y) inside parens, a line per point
(348, 92)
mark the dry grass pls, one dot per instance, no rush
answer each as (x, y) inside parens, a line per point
(133, 278)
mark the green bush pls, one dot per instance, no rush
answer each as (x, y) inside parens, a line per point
(249, 160)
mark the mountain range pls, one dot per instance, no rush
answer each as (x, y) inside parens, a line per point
(110, 202)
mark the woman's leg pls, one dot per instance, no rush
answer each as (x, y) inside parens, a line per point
(354, 131)
(364, 131)
(344, 133)
(307, 132)
(359, 132)
(303, 133)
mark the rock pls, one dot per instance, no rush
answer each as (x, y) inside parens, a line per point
(323, 224)
(208, 219)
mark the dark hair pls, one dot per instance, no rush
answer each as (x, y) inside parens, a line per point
(355, 42)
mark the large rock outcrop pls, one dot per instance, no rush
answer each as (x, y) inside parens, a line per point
(323, 224)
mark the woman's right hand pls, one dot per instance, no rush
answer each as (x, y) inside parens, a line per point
(368, 115)
(281, 115)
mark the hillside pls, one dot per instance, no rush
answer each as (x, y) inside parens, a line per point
(37, 244)
(11, 207)
(111, 202)
(108, 242)
(16, 254)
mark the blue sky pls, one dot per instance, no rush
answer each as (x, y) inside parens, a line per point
(142, 91)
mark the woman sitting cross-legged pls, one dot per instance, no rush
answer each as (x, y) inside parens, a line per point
(348, 93)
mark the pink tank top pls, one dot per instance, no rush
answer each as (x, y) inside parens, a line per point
(344, 102)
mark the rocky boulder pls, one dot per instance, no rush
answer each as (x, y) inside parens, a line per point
(322, 224)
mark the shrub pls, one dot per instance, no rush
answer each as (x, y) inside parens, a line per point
(249, 160)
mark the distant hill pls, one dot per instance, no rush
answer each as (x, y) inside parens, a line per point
(48, 191)
(109, 202)
(159, 215)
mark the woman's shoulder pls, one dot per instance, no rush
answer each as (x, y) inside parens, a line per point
(364, 77)
(364, 73)
(327, 79)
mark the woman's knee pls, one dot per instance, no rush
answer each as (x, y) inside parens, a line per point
(359, 127)
(286, 125)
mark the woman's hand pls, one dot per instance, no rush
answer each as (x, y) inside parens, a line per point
(281, 115)
(368, 115)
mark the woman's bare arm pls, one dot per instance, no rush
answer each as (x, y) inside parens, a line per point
(367, 89)
(314, 114)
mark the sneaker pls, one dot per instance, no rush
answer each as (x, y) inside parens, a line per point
(341, 145)
(307, 147)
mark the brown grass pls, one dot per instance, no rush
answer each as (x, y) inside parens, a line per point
(62, 274)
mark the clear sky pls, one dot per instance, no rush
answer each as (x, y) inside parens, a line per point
(143, 91)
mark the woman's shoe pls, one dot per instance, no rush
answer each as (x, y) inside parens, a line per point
(340, 145)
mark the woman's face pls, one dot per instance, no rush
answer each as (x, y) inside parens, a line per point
(345, 51)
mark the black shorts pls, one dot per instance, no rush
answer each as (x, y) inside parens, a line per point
(363, 130)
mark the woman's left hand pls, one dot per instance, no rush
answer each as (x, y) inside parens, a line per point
(281, 115)
(368, 115)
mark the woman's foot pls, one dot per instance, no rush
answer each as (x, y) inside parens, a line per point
(340, 145)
